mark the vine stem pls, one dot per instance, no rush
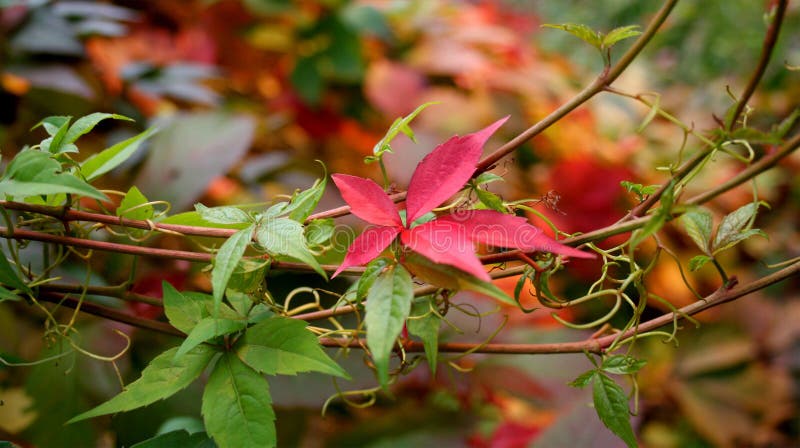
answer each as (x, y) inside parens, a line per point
(770, 39)
(593, 345)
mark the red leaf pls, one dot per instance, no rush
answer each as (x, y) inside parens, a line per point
(367, 200)
(502, 230)
(445, 242)
(368, 246)
(445, 171)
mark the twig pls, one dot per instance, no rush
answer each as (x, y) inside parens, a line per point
(766, 53)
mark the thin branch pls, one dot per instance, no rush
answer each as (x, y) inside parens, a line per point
(767, 48)
(106, 291)
(598, 345)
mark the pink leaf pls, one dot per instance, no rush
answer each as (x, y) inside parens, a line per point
(502, 230)
(367, 200)
(368, 246)
(447, 243)
(445, 171)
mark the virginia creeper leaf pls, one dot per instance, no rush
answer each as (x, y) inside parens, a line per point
(371, 273)
(304, 202)
(182, 312)
(486, 178)
(697, 223)
(206, 329)
(445, 171)
(698, 262)
(112, 157)
(283, 346)
(367, 246)
(194, 219)
(611, 405)
(163, 377)
(319, 231)
(424, 324)
(283, 236)
(580, 31)
(237, 407)
(399, 125)
(367, 200)
(9, 276)
(132, 206)
(490, 200)
(85, 124)
(225, 262)
(445, 242)
(223, 215)
(57, 127)
(618, 34)
(33, 173)
(734, 225)
(622, 364)
(583, 379)
(387, 307)
(449, 277)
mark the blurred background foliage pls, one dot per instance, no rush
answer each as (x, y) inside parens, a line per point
(247, 93)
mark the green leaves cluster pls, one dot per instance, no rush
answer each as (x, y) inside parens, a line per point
(610, 401)
(734, 228)
(240, 345)
(601, 41)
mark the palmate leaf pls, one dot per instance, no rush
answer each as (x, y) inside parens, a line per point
(303, 203)
(445, 171)
(444, 242)
(387, 307)
(367, 246)
(223, 215)
(162, 378)
(622, 364)
(283, 346)
(182, 312)
(697, 223)
(735, 227)
(207, 329)
(237, 407)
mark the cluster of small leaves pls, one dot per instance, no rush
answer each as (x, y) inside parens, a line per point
(241, 341)
(734, 228)
(641, 191)
(601, 41)
(610, 401)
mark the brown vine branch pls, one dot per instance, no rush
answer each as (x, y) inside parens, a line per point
(770, 39)
(597, 345)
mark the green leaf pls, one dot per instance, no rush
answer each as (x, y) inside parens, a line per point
(194, 219)
(206, 329)
(387, 307)
(490, 200)
(6, 295)
(9, 277)
(225, 262)
(638, 189)
(698, 262)
(283, 346)
(651, 114)
(163, 377)
(622, 365)
(399, 125)
(611, 405)
(424, 324)
(580, 31)
(223, 215)
(487, 178)
(179, 438)
(132, 206)
(697, 223)
(583, 379)
(618, 34)
(738, 238)
(112, 157)
(307, 80)
(783, 128)
(658, 219)
(304, 202)
(283, 236)
(237, 407)
(33, 173)
(57, 127)
(371, 273)
(85, 124)
(248, 275)
(182, 312)
(448, 277)
(319, 231)
(735, 226)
